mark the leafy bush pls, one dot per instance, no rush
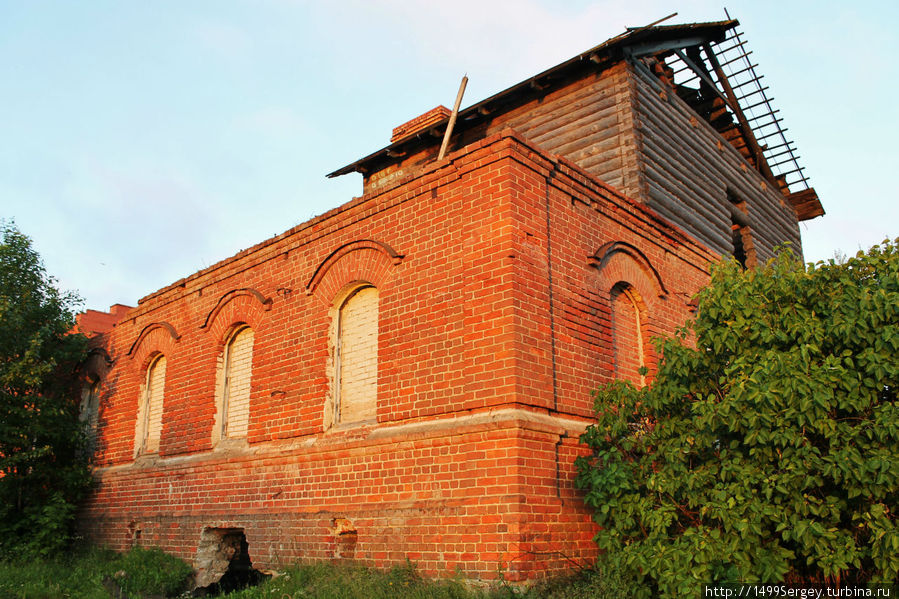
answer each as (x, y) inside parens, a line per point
(767, 449)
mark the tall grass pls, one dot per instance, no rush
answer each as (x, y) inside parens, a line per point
(349, 581)
(98, 574)
(78, 576)
(90, 573)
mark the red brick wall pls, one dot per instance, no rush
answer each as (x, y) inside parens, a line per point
(494, 270)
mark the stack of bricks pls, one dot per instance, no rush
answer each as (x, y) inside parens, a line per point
(420, 123)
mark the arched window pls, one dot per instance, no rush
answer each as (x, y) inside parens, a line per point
(236, 372)
(356, 357)
(89, 411)
(628, 343)
(149, 425)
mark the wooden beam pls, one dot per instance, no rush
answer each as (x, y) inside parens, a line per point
(452, 120)
(648, 48)
(704, 76)
(806, 204)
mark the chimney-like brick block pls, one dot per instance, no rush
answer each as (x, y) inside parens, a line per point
(96, 322)
(420, 123)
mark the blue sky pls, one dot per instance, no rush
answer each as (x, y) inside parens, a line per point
(143, 141)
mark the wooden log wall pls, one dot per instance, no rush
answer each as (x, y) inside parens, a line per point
(689, 169)
(584, 122)
(627, 128)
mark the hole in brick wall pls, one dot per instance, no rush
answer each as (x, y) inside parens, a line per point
(223, 563)
(134, 533)
(346, 536)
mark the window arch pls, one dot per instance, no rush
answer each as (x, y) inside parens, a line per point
(355, 339)
(89, 410)
(235, 374)
(149, 421)
(628, 338)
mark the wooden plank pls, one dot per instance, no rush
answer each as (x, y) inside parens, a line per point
(806, 204)
(597, 113)
(452, 120)
(541, 110)
(575, 140)
(716, 240)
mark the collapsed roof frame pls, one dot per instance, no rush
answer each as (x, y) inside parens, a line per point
(695, 54)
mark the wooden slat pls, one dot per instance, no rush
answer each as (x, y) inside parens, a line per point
(806, 204)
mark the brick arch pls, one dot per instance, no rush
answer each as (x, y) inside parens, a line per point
(162, 330)
(357, 262)
(100, 353)
(156, 342)
(361, 260)
(264, 302)
(235, 309)
(619, 268)
(612, 253)
(623, 265)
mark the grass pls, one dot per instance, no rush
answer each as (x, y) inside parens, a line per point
(94, 574)
(353, 581)
(78, 577)
(150, 573)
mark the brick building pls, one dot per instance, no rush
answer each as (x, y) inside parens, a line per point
(407, 375)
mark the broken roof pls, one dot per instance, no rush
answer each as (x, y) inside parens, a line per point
(762, 136)
(635, 41)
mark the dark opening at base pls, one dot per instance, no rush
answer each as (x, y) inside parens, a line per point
(223, 563)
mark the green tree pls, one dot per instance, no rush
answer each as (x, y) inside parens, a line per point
(43, 470)
(767, 447)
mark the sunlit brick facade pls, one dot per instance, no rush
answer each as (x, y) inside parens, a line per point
(421, 358)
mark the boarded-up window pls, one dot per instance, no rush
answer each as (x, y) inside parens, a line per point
(90, 412)
(150, 424)
(627, 335)
(356, 380)
(238, 369)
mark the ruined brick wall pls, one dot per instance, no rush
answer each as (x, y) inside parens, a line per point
(494, 272)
